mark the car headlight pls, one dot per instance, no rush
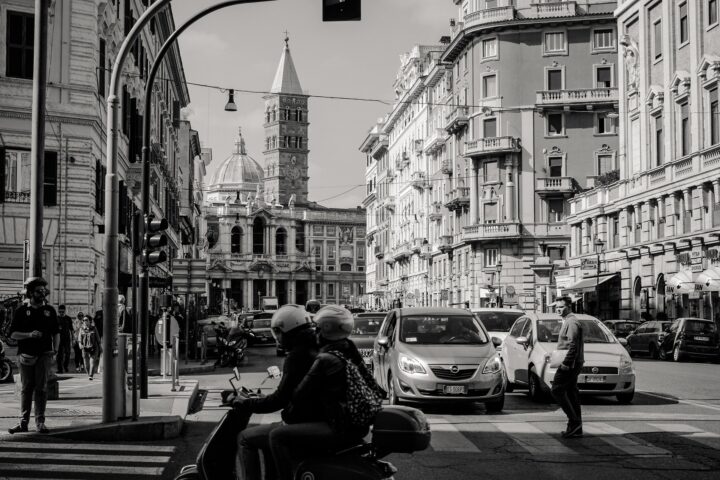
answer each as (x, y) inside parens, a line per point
(493, 365)
(626, 367)
(410, 365)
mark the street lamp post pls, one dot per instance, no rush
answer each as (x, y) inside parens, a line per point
(599, 245)
(498, 269)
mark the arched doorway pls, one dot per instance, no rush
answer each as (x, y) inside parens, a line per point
(281, 241)
(236, 240)
(637, 299)
(258, 236)
(660, 306)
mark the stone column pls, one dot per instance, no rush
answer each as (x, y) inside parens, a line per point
(671, 217)
(624, 221)
(248, 294)
(474, 199)
(510, 190)
(715, 199)
(292, 293)
(584, 231)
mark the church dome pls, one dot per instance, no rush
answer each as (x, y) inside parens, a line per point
(239, 171)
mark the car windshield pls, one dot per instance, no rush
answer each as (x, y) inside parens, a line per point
(441, 329)
(696, 326)
(498, 321)
(261, 323)
(367, 325)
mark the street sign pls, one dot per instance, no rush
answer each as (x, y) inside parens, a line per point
(189, 275)
(174, 329)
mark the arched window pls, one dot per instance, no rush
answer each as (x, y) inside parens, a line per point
(281, 241)
(236, 240)
(345, 267)
(258, 236)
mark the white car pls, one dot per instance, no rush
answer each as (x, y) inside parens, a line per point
(608, 368)
(497, 321)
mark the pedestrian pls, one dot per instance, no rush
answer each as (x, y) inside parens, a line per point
(35, 327)
(124, 317)
(565, 388)
(77, 325)
(66, 332)
(98, 322)
(89, 340)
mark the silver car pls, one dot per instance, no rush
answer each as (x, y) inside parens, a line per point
(435, 354)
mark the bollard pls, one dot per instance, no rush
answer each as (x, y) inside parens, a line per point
(203, 348)
(174, 366)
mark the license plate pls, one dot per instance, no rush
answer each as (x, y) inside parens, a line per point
(702, 339)
(454, 389)
(594, 379)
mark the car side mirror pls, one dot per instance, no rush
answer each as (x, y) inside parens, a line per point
(522, 341)
(622, 341)
(384, 342)
(496, 341)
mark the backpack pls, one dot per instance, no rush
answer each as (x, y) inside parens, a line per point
(363, 397)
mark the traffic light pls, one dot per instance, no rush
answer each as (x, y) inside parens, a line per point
(154, 239)
(341, 10)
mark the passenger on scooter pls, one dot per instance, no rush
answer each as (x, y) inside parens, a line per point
(293, 331)
(325, 385)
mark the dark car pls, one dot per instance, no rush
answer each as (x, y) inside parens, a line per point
(690, 337)
(622, 328)
(367, 326)
(645, 338)
(260, 326)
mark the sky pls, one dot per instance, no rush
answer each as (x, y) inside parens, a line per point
(240, 46)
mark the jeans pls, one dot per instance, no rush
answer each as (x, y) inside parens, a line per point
(251, 442)
(566, 393)
(63, 357)
(34, 387)
(291, 444)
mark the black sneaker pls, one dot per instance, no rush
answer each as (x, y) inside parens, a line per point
(19, 428)
(574, 432)
(41, 428)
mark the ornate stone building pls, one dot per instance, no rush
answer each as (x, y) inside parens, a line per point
(263, 236)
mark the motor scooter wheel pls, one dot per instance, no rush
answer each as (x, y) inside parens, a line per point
(225, 359)
(6, 369)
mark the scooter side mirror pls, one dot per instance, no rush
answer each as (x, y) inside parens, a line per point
(237, 373)
(274, 372)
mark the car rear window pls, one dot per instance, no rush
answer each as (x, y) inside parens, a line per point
(441, 329)
(261, 323)
(498, 321)
(548, 331)
(367, 325)
(696, 326)
(624, 327)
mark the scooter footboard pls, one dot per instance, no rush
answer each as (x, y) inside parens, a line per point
(342, 467)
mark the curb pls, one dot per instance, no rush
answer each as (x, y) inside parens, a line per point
(144, 429)
(155, 372)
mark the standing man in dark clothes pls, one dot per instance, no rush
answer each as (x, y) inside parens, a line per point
(565, 388)
(293, 330)
(66, 333)
(35, 327)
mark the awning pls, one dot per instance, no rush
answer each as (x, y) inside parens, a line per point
(681, 282)
(589, 284)
(710, 279)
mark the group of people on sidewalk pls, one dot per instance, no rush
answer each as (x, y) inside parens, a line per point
(79, 336)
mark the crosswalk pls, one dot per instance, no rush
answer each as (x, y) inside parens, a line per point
(28, 459)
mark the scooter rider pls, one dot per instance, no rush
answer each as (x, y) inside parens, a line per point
(326, 386)
(292, 328)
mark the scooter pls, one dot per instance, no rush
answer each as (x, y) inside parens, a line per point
(396, 429)
(6, 366)
(232, 346)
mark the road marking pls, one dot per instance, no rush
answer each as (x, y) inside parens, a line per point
(709, 439)
(532, 439)
(87, 446)
(84, 457)
(686, 402)
(447, 438)
(623, 441)
(96, 469)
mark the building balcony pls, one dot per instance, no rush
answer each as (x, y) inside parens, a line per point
(435, 213)
(402, 252)
(419, 144)
(379, 147)
(489, 15)
(417, 244)
(491, 146)
(16, 197)
(446, 167)
(548, 229)
(548, 186)
(457, 119)
(581, 96)
(490, 231)
(418, 179)
(553, 9)
(389, 202)
(435, 141)
(457, 198)
(370, 199)
(379, 252)
(390, 172)
(445, 244)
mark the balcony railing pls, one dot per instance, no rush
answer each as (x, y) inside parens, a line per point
(554, 9)
(379, 252)
(491, 146)
(582, 96)
(489, 15)
(16, 197)
(457, 119)
(445, 243)
(435, 140)
(457, 198)
(551, 185)
(418, 179)
(490, 231)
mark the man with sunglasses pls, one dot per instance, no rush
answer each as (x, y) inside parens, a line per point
(35, 327)
(565, 387)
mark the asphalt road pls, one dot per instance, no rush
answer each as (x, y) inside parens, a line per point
(672, 430)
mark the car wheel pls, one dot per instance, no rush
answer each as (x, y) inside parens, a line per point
(535, 390)
(6, 369)
(495, 406)
(653, 351)
(677, 355)
(392, 394)
(626, 398)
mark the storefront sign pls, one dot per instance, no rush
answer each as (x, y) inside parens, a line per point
(589, 264)
(696, 267)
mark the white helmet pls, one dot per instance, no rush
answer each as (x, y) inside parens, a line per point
(287, 318)
(334, 322)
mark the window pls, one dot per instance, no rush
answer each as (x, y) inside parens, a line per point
(331, 251)
(491, 256)
(714, 119)
(684, 129)
(361, 252)
(489, 86)
(683, 23)
(555, 166)
(657, 39)
(490, 212)
(317, 231)
(490, 128)
(331, 289)
(603, 77)
(605, 164)
(554, 79)
(659, 141)
(605, 125)
(489, 48)
(604, 39)
(15, 177)
(490, 171)
(556, 253)
(556, 210)
(235, 240)
(555, 42)
(20, 41)
(555, 124)
(330, 231)
(318, 290)
(101, 68)
(712, 12)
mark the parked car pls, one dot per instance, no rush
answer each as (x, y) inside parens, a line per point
(497, 321)
(209, 327)
(260, 326)
(622, 328)
(690, 337)
(608, 368)
(367, 326)
(435, 354)
(645, 338)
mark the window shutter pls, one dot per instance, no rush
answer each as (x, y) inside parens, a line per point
(50, 184)
(2, 175)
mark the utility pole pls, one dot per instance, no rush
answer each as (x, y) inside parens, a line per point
(37, 152)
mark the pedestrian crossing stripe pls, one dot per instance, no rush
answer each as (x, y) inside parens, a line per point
(623, 441)
(709, 439)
